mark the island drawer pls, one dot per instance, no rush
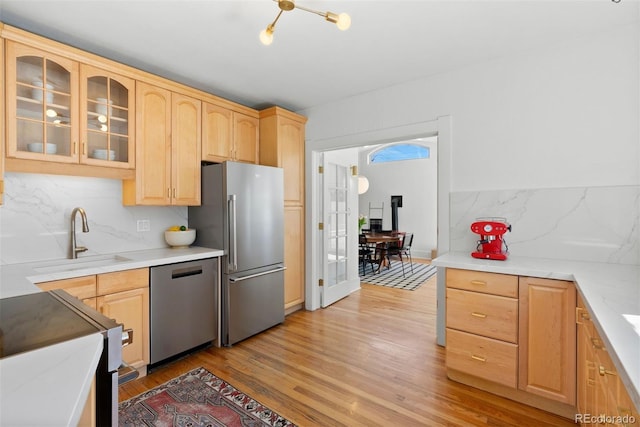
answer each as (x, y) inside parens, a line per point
(483, 314)
(479, 281)
(482, 357)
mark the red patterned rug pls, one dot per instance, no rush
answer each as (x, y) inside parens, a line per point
(197, 398)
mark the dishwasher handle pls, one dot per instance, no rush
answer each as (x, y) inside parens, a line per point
(186, 272)
(252, 276)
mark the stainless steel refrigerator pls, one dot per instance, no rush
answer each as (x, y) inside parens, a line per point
(242, 212)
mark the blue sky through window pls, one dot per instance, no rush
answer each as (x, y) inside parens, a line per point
(396, 152)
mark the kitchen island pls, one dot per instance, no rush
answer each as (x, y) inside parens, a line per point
(611, 293)
(54, 381)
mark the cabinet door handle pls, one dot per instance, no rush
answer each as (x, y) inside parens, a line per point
(597, 344)
(603, 371)
(74, 147)
(478, 358)
(84, 148)
(480, 315)
(479, 282)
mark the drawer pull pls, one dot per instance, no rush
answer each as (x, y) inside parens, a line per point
(480, 315)
(581, 314)
(602, 371)
(479, 282)
(478, 358)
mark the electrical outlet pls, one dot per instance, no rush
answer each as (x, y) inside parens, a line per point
(143, 225)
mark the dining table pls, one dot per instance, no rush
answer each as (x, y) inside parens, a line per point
(382, 242)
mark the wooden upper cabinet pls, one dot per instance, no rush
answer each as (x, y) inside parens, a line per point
(547, 349)
(282, 145)
(42, 105)
(186, 150)
(168, 149)
(228, 135)
(107, 119)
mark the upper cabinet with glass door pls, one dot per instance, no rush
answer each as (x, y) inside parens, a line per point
(106, 105)
(41, 90)
(62, 111)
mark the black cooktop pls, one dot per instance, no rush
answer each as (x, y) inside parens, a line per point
(38, 320)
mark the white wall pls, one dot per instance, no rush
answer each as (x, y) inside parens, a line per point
(416, 182)
(560, 117)
(563, 117)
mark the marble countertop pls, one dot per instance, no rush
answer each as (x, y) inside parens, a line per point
(611, 292)
(49, 386)
(20, 279)
(57, 378)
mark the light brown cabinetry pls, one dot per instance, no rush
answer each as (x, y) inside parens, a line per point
(602, 396)
(548, 339)
(513, 336)
(123, 296)
(168, 149)
(62, 112)
(482, 336)
(83, 288)
(282, 145)
(228, 135)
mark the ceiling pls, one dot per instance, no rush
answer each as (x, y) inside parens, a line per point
(213, 44)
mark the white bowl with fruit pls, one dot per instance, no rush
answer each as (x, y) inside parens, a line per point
(180, 236)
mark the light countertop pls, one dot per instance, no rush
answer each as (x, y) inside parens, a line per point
(56, 379)
(611, 293)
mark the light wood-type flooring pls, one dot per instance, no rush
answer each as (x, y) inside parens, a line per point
(368, 360)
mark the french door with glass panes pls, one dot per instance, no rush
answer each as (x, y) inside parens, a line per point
(340, 239)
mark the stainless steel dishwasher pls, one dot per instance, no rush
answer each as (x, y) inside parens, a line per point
(183, 307)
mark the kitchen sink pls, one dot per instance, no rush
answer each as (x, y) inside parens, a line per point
(79, 264)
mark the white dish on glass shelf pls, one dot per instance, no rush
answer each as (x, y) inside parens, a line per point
(36, 147)
(103, 154)
(37, 93)
(101, 106)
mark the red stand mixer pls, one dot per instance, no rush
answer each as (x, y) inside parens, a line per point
(491, 244)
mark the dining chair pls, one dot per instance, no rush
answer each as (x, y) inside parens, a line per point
(404, 249)
(366, 254)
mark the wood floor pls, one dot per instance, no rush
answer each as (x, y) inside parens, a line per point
(368, 360)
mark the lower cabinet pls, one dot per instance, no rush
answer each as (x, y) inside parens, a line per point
(547, 356)
(602, 396)
(123, 296)
(513, 336)
(294, 257)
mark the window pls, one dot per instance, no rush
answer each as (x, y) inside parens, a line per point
(397, 152)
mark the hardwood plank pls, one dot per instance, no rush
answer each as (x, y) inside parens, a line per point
(369, 359)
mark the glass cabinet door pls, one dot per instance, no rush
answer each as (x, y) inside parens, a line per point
(107, 118)
(41, 89)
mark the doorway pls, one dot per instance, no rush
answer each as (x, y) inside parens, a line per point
(440, 127)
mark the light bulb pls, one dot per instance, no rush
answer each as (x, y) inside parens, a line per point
(344, 21)
(266, 36)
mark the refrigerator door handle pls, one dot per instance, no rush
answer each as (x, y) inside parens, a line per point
(251, 276)
(233, 255)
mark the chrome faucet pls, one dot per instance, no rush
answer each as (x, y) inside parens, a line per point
(73, 252)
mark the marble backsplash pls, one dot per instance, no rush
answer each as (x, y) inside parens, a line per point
(35, 218)
(599, 224)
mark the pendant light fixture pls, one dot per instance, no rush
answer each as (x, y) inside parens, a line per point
(342, 20)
